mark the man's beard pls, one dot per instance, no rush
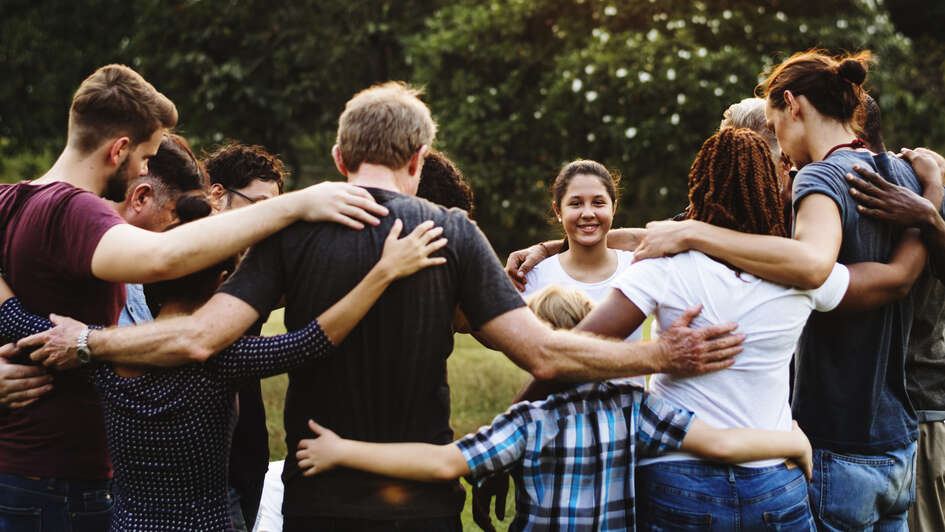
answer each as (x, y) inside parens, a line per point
(116, 186)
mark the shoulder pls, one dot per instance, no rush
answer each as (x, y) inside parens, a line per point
(624, 259)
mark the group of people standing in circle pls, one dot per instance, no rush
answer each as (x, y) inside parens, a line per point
(815, 134)
(783, 390)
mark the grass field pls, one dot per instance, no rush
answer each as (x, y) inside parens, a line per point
(482, 384)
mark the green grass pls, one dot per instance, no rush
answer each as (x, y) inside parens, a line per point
(482, 385)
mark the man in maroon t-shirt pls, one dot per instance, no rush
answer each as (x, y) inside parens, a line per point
(64, 250)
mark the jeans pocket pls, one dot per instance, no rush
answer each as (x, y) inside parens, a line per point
(20, 519)
(665, 518)
(855, 490)
(94, 512)
(795, 518)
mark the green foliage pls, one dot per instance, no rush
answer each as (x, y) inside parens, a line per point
(518, 87)
(521, 87)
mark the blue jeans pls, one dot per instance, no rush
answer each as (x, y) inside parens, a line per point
(863, 492)
(693, 495)
(54, 505)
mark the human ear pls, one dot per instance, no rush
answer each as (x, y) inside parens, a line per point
(118, 150)
(141, 194)
(793, 105)
(339, 162)
(415, 165)
(215, 197)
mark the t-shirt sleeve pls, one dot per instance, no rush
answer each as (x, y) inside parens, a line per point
(821, 178)
(643, 284)
(259, 280)
(661, 425)
(829, 294)
(496, 447)
(485, 291)
(82, 221)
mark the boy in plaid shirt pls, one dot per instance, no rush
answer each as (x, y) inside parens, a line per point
(572, 455)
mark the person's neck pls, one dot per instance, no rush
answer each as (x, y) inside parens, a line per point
(176, 309)
(826, 134)
(589, 263)
(378, 176)
(79, 170)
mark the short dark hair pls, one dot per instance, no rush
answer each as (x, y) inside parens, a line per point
(235, 166)
(198, 286)
(442, 183)
(115, 100)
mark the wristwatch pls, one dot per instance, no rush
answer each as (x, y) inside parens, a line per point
(82, 350)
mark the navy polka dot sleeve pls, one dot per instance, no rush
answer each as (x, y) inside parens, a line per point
(16, 322)
(259, 356)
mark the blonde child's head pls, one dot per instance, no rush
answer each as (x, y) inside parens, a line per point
(561, 307)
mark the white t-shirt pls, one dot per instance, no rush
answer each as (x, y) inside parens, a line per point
(269, 517)
(550, 271)
(753, 392)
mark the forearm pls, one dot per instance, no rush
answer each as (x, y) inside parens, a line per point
(578, 357)
(412, 461)
(341, 317)
(874, 284)
(205, 242)
(176, 340)
(626, 239)
(738, 445)
(781, 260)
(264, 356)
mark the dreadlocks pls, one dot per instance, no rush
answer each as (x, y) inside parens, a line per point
(733, 184)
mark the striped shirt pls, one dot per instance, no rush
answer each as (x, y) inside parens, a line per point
(572, 455)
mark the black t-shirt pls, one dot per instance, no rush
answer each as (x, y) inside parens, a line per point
(925, 363)
(388, 381)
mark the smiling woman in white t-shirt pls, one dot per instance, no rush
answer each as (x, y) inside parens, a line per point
(584, 198)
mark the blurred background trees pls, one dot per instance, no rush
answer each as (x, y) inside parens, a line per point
(518, 87)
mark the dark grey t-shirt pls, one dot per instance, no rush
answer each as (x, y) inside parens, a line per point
(850, 387)
(925, 363)
(388, 381)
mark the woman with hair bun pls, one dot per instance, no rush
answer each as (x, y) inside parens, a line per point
(849, 393)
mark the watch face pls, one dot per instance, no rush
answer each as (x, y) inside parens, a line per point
(84, 354)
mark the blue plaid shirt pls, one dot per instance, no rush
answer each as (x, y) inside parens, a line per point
(572, 455)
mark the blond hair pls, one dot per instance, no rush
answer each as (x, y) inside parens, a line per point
(385, 124)
(562, 308)
(116, 101)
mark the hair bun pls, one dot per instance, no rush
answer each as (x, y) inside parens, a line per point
(852, 71)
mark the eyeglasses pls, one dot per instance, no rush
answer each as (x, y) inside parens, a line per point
(240, 194)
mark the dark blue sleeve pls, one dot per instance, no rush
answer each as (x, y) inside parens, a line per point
(16, 322)
(822, 178)
(253, 357)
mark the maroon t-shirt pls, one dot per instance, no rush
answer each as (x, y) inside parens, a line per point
(48, 234)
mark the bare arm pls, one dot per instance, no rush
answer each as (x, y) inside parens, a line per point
(615, 317)
(223, 319)
(577, 356)
(413, 461)
(745, 445)
(804, 261)
(874, 284)
(128, 254)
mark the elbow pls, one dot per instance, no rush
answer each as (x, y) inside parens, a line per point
(164, 264)
(198, 354)
(445, 473)
(721, 450)
(815, 274)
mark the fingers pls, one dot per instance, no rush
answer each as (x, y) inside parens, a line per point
(28, 395)
(9, 350)
(872, 177)
(687, 316)
(726, 353)
(714, 331)
(717, 365)
(358, 213)
(315, 427)
(395, 229)
(34, 340)
(363, 199)
(500, 497)
(17, 372)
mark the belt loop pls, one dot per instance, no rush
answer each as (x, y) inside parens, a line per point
(731, 475)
